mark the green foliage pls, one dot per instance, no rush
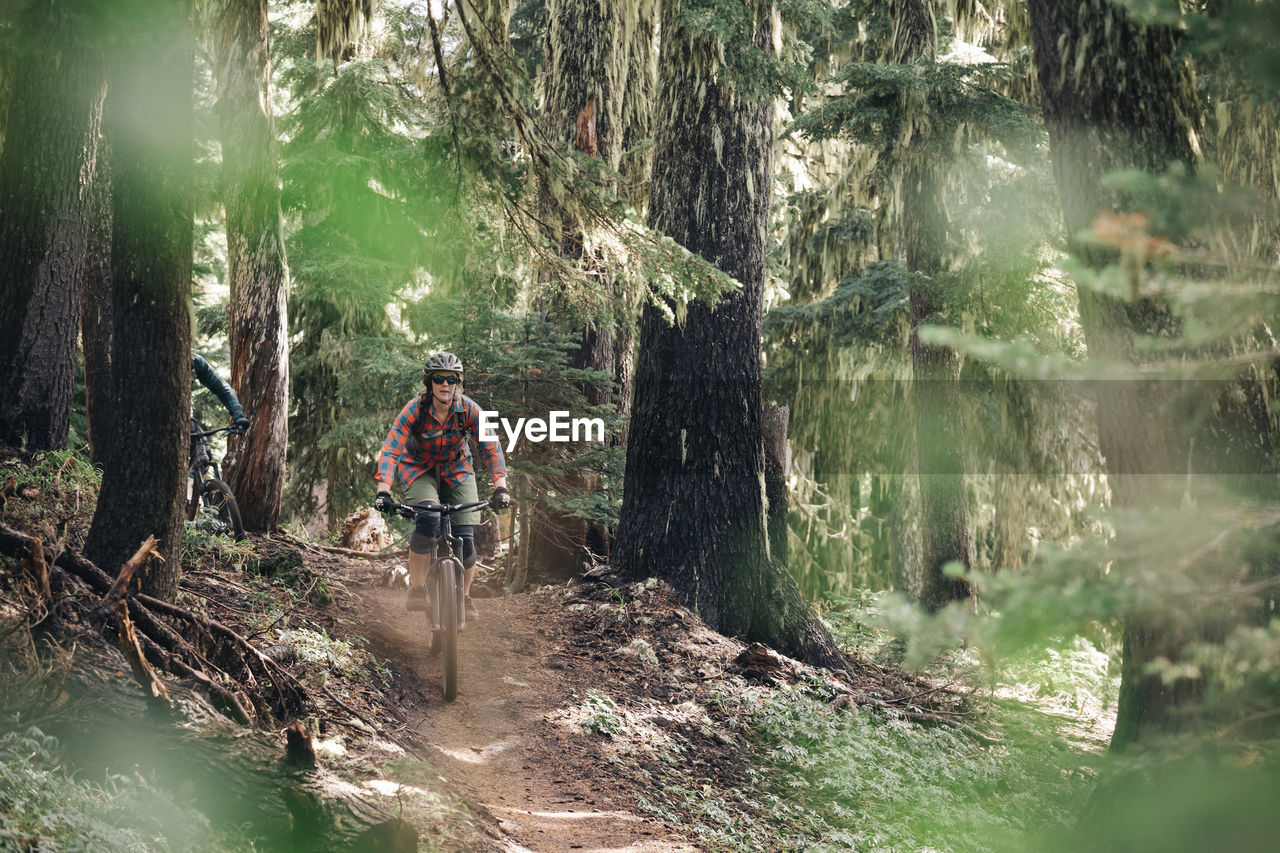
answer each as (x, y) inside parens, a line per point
(857, 779)
(204, 542)
(364, 225)
(61, 472)
(1238, 39)
(598, 714)
(722, 34)
(952, 96)
(346, 658)
(42, 806)
(837, 353)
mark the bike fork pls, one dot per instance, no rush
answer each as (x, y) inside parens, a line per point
(435, 599)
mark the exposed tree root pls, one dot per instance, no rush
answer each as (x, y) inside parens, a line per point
(231, 661)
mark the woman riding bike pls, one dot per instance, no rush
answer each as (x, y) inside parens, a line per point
(427, 447)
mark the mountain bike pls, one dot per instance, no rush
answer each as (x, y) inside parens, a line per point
(210, 491)
(447, 613)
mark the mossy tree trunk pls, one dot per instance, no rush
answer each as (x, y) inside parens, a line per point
(693, 508)
(95, 310)
(255, 258)
(1116, 95)
(945, 530)
(46, 172)
(149, 122)
(591, 103)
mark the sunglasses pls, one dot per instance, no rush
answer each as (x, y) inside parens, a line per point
(444, 380)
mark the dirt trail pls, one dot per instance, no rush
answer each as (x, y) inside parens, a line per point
(538, 785)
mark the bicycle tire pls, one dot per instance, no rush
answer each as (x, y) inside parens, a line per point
(447, 590)
(219, 497)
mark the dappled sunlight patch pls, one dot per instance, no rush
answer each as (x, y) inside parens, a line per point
(1075, 686)
(477, 754)
(390, 788)
(394, 749)
(331, 749)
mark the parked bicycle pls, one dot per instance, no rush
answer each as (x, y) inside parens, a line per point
(210, 491)
(446, 613)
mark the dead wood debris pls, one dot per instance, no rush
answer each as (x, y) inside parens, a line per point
(333, 549)
(859, 682)
(229, 662)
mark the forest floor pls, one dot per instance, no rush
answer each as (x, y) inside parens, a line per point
(595, 715)
(578, 707)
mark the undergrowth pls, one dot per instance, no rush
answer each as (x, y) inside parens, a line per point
(863, 780)
(1016, 771)
(42, 807)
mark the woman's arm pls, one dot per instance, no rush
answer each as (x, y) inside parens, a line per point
(395, 445)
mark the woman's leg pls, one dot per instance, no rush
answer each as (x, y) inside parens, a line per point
(422, 491)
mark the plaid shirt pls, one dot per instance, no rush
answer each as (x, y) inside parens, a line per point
(441, 448)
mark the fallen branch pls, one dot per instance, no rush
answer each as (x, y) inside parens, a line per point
(57, 480)
(224, 699)
(38, 570)
(169, 639)
(127, 640)
(14, 542)
(353, 711)
(154, 636)
(97, 617)
(287, 688)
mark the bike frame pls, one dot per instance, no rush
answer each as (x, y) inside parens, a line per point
(447, 546)
(201, 454)
(447, 615)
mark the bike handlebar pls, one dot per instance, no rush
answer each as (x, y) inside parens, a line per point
(410, 511)
(205, 433)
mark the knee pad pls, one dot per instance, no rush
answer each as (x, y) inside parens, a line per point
(466, 533)
(426, 528)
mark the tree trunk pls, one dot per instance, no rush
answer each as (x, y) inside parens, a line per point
(95, 310)
(149, 122)
(693, 502)
(775, 478)
(255, 259)
(946, 535)
(587, 92)
(46, 171)
(1116, 96)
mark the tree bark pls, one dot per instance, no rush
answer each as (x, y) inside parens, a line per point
(693, 501)
(150, 124)
(95, 310)
(255, 259)
(946, 534)
(46, 172)
(775, 478)
(588, 104)
(1116, 96)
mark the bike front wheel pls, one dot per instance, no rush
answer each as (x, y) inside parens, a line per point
(447, 596)
(218, 497)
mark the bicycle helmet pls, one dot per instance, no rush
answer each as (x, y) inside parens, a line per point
(441, 361)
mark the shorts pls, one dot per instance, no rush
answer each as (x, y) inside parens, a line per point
(432, 487)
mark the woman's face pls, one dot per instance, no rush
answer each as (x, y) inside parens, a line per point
(441, 389)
